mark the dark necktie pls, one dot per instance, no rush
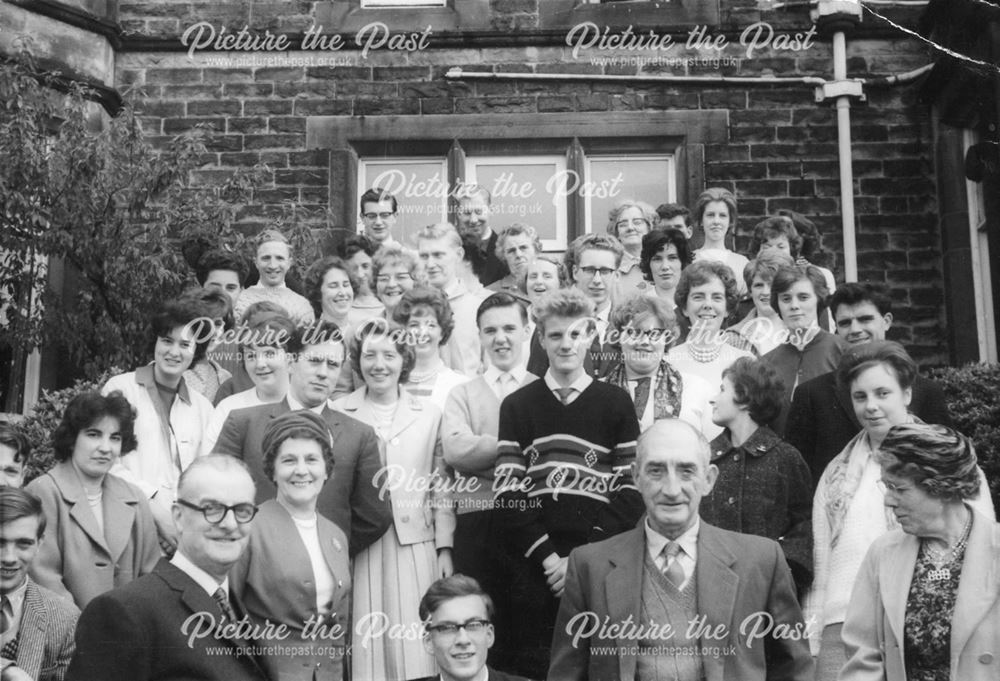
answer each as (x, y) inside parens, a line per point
(641, 396)
(223, 600)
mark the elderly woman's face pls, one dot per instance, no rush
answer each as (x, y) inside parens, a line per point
(879, 401)
(630, 227)
(518, 251)
(392, 282)
(643, 342)
(917, 511)
(299, 472)
(381, 363)
(798, 305)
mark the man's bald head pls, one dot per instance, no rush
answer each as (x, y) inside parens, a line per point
(673, 432)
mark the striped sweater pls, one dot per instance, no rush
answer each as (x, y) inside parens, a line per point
(563, 476)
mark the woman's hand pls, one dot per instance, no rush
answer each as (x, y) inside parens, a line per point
(555, 573)
(445, 566)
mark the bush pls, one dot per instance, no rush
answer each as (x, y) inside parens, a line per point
(39, 425)
(973, 394)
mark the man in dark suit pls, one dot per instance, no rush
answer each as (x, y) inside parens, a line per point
(458, 630)
(474, 207)
(676, 597)
(36, 625)
(180, 621)
(821, 421)
(315, 358)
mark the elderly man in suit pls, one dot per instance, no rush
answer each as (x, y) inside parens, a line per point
(316, 356)
(676, 597)
(821, 421)
(36, 625)
(180, 621)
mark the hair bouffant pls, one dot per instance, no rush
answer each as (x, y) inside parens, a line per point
(702, 272)
(939, 460)
(656, 241)
(431, 298)
(757, 386)
(85, 410)
(889, 354)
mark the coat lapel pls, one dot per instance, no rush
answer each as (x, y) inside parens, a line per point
(119, 518)
(717, 587)
(79, 510)
(895, 575)
(624, 593)
(978, 586)
(31, 634)
(843, 395)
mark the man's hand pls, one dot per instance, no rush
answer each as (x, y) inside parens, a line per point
(445, 565)
(14, 673)
(555, 573)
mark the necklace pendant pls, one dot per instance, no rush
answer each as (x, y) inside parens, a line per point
(939, 575)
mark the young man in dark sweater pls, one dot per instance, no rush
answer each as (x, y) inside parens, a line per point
(563, 478)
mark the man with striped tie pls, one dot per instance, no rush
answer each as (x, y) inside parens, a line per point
(676, 597)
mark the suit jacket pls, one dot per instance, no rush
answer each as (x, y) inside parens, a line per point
(145, 631)
(419, 514)
(78, 561)
(45, 636)
(495, 268)
(873, 630)
(349, 498)
(274, 580)
(739, 576)
(822, 421)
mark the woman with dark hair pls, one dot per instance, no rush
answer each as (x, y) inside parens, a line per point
(926, 604)
(295, 569)
(798, 294)
(170, 418)
(426, 315)
(665, 254)
(391, 575)
(205, 375)
(629, 222)
(273, 261)
(101, 533)
(715, 213)
(330, 287)
(763, 486)
(848, 514)
(706, 295)
(357, 252)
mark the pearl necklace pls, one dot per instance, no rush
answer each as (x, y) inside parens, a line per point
(704, 355)
(940, 559)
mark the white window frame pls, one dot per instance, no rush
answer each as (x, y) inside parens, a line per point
(560, 242)
(588, 174)
(979, 243)
(364, 183)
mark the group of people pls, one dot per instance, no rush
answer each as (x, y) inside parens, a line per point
(639, 461)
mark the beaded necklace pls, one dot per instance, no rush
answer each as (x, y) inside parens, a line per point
(941, 559)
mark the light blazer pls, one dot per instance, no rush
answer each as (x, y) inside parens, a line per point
(45, 636)
(77, 560)
(348, 499)
(738, 576)
(419, 515)
(275, 581)
(873, 631)
(136, 633)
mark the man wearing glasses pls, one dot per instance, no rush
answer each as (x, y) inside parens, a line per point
(457, 630)
(378, 213)
(172, 623)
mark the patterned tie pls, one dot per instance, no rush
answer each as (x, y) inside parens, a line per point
(641, 396)
(564, 394)
(223, 600)
(672, 567)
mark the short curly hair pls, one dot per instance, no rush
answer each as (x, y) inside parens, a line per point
(638, 307)
(378, 328)
(787, 277)
(766, 266)
(772, 228)
(939, 460)
(656, 241)
(426, 296)
(219, 260)
(648, 213)
(564, 302)
(317, 273)
(757, 386)
(562, 274)
(300, 425)
(86, 409)
(702, 272)
(517, 229)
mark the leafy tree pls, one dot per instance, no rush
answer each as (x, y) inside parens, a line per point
(88, 192)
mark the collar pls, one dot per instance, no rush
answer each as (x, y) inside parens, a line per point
(200, 577)
(604, 312)
(16, 597)
(688, 541)
(579, 385)
(455, 289)
(760, 443)
(628, 262)
(295, 405)
(492, 374)
(482, 675)
(145, 377)
(803, 338)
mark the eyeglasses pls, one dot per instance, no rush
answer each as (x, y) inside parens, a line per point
(386, 278)
(886, 486)
(634, 223)
(215, 512)
(372, 216)
(594, 271)
(451, 629)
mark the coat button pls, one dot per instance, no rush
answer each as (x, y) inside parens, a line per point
(986, 658)
(736, 457)
(405, 518)
(732, 500)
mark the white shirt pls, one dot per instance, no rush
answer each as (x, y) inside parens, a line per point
(688, 556)
(241, 400)
(295, 405)
(492, 376)
(200, 577)
(321, 571)
(578, 386)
